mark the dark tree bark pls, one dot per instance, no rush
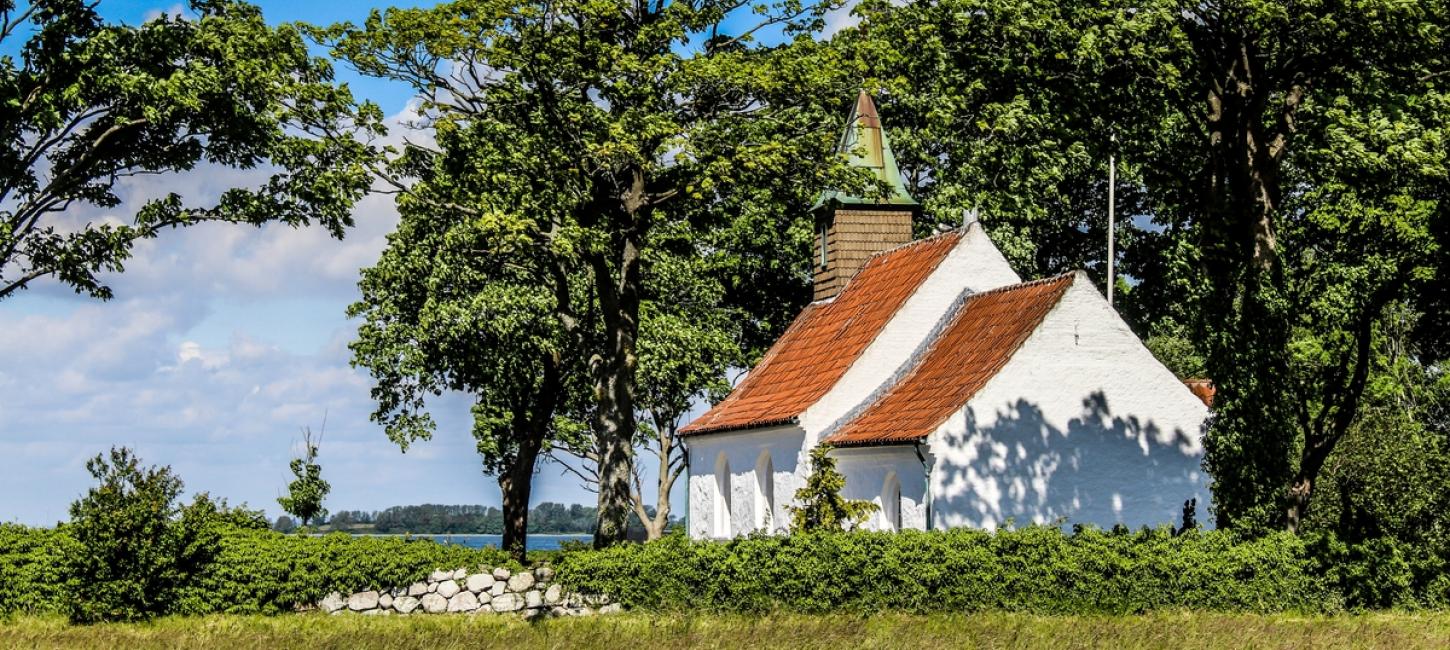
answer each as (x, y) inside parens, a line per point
(531, 429)
(619, 286)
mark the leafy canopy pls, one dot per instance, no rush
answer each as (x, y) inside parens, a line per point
(88, 104)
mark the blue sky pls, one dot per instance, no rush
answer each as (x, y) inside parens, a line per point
(220, 345)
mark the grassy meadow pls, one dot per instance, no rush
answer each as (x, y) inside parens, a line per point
(656, 631)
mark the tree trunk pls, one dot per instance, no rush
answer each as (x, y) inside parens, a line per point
(516, 509)
(619, 287)
(530, 429)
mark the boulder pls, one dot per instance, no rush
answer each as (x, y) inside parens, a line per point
(498, 588)
(459, 574)
(417, 589)
(332, 603)
(439, 576)
(362, 601)
(405, 604)
(385, 601)
(479, 582)
(533, 599)
(432, 587)
(501, 574)
(506, 603)
(448, 588)
(521, 582)
(435, 604)
(611, 609)
(463, 601)
(554, 595)
(544, 573)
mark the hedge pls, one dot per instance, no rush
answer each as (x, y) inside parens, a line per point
(1037, 569)
(255, 571)
(32, 568)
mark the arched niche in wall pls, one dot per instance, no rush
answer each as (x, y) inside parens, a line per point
(764, 492)
(891, 503)
(721, 502)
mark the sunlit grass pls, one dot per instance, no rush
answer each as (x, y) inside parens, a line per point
(652, 631)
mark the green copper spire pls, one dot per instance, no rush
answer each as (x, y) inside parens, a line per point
(865, 142)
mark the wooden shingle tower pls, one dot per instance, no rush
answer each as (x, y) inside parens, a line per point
(850, 229)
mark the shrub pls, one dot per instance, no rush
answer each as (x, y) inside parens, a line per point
(822, 506)
(135, 545)
(1036, 569)
(1384, 573)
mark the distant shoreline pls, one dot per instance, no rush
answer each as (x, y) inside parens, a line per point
(449, 534)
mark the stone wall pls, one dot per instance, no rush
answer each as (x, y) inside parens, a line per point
(527, 593)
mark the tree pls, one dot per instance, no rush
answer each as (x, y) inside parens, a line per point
(575, 131)
(454, 304)
(688, 340)
(307, 490)
(1313, 202)
(1390, 476)
(1291, 155)
(821, 505)
(136, 546)
(89, 104)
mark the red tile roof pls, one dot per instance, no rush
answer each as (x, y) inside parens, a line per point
(981, 338)
(825, 339)
(1203, 389)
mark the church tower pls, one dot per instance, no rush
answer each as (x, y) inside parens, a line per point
(850, 229)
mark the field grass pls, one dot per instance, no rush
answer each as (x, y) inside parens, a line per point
(655, 631)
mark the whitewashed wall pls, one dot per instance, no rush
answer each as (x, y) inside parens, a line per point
(1083, 423)
(867, 470)
(742, 450)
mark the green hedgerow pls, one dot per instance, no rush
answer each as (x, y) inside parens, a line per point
(1036, 569)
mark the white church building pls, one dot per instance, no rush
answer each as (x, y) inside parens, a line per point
(952, 392)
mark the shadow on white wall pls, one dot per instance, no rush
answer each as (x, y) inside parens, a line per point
(1102, 469)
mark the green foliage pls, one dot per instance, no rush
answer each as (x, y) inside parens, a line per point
(1291, 159)
(1037, 570)
(822, 508)
(33, 576)
(89, 103)
(265, 572)
(136, 547)
(307, 490)
(583, 147)
(1173, 345)
(250, 571)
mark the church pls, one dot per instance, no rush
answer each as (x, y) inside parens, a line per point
(952, 392)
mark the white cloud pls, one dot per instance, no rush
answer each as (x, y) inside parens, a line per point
(78, 376)
(839, 19)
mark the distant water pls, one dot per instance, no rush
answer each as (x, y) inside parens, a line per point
(535, 542)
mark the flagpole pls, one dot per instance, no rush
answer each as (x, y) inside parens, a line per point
(1112, 183)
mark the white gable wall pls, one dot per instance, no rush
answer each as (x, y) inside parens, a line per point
(973, 265)
(1082, 423)
(742, 452)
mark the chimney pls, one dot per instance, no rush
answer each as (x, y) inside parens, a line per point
(850, 229)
